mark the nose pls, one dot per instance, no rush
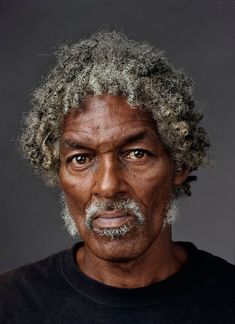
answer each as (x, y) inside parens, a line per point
(109, 181)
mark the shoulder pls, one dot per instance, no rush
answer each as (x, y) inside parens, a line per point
(21, 276)
(206, 259)
(208, 271)
(215, 265)
(208, 286)
(210, 275)
(25, 288)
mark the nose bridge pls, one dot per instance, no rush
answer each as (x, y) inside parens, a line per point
(109, 182)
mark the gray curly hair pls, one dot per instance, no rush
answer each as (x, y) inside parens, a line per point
(109, 62)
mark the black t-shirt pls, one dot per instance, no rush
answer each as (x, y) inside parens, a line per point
(54, 290)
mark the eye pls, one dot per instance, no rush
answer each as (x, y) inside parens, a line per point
(137, 154)
(81, 159)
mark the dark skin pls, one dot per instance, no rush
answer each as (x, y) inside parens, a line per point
(110, 151)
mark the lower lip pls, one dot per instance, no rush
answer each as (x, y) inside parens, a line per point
(108, 222)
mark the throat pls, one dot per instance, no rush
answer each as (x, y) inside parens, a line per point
(141, 272)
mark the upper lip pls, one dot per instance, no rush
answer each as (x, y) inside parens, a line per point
(110, 214)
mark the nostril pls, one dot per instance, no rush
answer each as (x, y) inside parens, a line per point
(109, 187)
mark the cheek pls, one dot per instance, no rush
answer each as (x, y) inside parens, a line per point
(154, 184)
(76, 188)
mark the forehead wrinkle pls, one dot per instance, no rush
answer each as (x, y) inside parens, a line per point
(104, 126)
(114, 140)
(91, 124)
(103, 103)
(86, 127)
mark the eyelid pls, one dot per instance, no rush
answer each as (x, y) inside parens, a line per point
(146, 152)
(70, 158)
(136, 149)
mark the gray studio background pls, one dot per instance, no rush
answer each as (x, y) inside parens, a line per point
(197, 35)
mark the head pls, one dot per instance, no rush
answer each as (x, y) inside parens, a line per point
(107, 86)
(116, 175)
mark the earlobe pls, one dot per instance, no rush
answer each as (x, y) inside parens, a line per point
(181, 174)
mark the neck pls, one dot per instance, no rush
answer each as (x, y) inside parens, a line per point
(161, 260)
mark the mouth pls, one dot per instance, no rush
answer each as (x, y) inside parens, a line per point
(111, 219)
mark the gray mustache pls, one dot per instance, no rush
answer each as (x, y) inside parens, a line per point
(125, 206)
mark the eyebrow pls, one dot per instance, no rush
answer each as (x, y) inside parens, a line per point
(73, 144)
(134, 138)
(126, 141)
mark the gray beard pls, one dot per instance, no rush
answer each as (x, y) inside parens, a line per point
(125, 206)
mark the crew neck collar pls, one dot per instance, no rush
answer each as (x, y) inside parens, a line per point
(128, 297)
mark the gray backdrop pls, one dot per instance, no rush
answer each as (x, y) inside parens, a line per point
(197, 35)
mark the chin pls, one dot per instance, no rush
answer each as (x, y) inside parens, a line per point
(121, 249)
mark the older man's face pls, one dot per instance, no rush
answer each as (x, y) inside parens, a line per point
(117, 177)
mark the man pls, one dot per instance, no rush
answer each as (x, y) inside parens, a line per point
(116, 128)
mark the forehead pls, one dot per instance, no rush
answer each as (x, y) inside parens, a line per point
(107, 113)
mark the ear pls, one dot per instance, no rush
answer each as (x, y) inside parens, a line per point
(181, 174)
